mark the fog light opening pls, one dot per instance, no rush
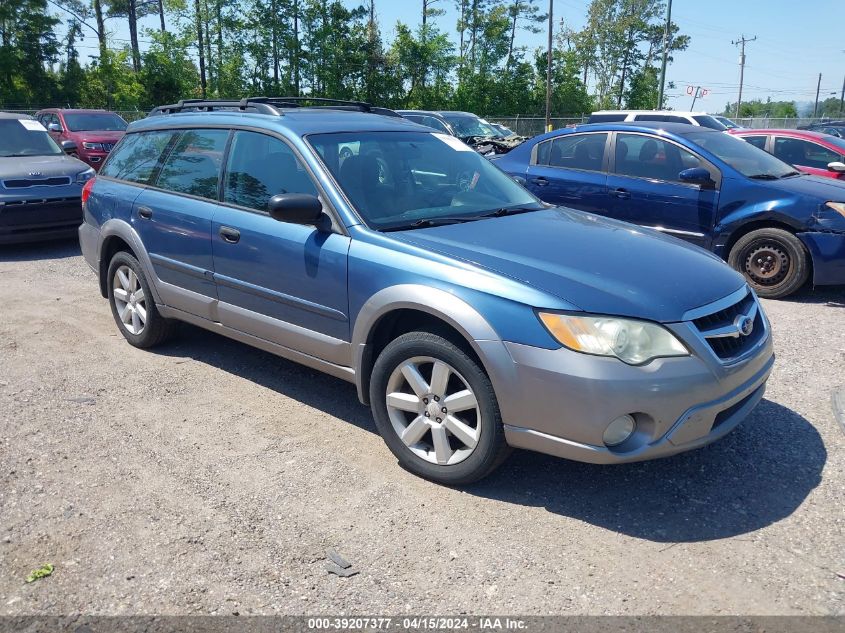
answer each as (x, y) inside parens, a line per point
(618, 431)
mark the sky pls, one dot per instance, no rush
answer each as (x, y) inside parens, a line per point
(795, 42)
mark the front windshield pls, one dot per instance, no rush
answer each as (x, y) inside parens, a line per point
(406, 179)
(747, 159)
(726, 122)
(25, 137)
(837, 142)
(467, 125)
(95, 121)
(705, 120)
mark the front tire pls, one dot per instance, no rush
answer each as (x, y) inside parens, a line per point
(132, 304)
(436, 410)
(773, 261)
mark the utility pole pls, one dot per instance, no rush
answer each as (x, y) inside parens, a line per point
(666, 35)
(741, 42)
(842, 100)
(818, 89)
(549, 71)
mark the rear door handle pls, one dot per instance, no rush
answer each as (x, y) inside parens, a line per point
(540, 182)
(622, 194)
(229, 234)
(145, 212)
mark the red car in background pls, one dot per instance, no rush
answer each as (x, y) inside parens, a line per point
(811, 152)
(94, 132)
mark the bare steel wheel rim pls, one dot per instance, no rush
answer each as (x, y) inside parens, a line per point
(129, 300)
(433, 410)
(767, 262)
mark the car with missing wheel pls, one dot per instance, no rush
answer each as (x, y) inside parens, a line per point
(776, 225)
(471, 317)
(40, 185)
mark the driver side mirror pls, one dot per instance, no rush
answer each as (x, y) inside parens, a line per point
(69, 147)
(54, 127)
(836, 166)
(295, 208)
(696, 176)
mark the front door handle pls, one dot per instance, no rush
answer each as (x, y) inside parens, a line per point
(622, 194)
(540, 182)
(229, 234)
(145, 212)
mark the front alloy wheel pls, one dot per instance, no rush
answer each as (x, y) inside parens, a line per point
(435, 407)
(438, 417)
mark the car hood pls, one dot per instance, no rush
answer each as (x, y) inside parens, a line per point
(94, 136)
(820, 187)
(598, 264)
(44, 166)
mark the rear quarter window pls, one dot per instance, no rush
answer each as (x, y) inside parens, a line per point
(136, 156)
(606, 118)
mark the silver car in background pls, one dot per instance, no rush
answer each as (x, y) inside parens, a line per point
(40, 185)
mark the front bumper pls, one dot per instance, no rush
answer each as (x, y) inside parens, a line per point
(827, 251)
(40, 219)
(560, 402)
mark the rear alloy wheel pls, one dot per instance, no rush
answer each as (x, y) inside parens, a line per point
(436, 410)
(773, 261)
(132, 305)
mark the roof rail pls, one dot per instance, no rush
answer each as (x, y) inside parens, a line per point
(269, 105)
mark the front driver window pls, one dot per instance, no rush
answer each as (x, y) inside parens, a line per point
(641, 156)
(262, 166)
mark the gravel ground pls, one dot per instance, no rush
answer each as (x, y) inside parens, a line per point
(209, 477)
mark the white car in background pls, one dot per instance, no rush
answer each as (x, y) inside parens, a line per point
(701, 119)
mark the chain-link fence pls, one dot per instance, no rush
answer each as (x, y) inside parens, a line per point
(533, 125)
(128, 115)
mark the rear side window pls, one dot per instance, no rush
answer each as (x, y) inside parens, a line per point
(574, 151)
(799, 152)
(607, 118)
(193, 165)
(756, 141)
(136, 156)
(649, 157)
(662, 118)
(261, 167)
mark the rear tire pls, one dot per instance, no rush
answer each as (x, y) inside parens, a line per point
(132, 304)
(774, 262)
(436, 410)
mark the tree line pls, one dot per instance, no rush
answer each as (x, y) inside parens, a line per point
(233, 48)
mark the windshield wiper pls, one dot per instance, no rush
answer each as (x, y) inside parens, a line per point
(789, 174)
(428, 222)
(764, 177)
(498, 213)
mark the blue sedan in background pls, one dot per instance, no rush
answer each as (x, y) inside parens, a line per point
(770, 222)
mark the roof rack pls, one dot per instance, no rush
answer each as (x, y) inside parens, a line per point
(269, 105)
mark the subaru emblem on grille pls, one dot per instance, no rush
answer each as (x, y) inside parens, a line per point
(744, 324)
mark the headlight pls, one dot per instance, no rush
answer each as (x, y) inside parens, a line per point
(97, 146)
(839, 207)
(633, 342)
(84, 176)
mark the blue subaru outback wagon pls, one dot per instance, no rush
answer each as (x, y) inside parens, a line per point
(471, 317)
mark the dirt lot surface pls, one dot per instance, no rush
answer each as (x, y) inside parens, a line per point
(209, 477)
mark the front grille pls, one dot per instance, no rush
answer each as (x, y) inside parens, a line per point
(722, 334)
(21, 183)
(108, 147)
